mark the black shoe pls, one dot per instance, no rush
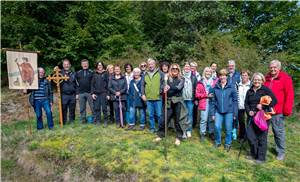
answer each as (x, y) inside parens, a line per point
(212, 136)
(130, 127)
(142, 128)
(227, 148)
(217, 145)
(202, 137)
(259, 162)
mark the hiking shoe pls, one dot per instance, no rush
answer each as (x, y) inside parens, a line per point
(142, 128)
(259, 161)
(280, 157)
(130, 127)
(177, 142)
(158, 139)
(202, 137)
(227, 148)
(217, 145)
(152, 130)
(184, 136)
(212, 136)
(189, 134)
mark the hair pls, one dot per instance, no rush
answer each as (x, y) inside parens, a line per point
(231, 61)
(205, 69)
(40, 68)
(25, 59)
(223, 72)
(164, 63)
(150, 60)
(277, 62)
(109, 66)
(84, 60)
(260, 75)
(194, 64)
(213, 63)
(99, 62)
(170, 70)
(245, 71)
(137, 70)
(128, 64)
(66, 60)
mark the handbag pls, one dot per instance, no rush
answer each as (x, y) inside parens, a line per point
(260, 121)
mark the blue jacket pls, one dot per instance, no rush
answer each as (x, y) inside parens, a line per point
(134, 97)
(48, 93)
(236, 78)
(224, 100)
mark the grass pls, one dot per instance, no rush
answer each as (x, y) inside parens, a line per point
(89, 152)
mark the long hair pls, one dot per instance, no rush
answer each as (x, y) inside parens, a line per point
(170, 71)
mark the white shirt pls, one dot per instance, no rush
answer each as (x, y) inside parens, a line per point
(243, 88)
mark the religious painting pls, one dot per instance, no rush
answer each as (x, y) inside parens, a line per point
(22, 70)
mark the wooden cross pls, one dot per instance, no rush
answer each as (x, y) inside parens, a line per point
(57, 78)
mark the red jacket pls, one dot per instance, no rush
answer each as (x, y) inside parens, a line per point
(282, 87)
(201, 96)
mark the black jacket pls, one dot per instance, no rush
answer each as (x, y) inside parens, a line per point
(68, 87)
(84, 79)
(117, 85)
(99, 83)
(253, 98)
(176, 86)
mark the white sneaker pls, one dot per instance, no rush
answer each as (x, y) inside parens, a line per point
(184, 135)
(189, 134)
(158, 139)
(177, 142)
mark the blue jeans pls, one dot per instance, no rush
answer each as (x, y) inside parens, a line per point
(204, 119)
(127, 111)
(132, 115)
(38, 105)
(228, 119)
(154, 108)
(189, 105)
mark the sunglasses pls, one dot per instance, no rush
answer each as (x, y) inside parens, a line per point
(174, 69)
(143, 65)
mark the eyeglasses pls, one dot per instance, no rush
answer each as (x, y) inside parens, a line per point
(174, 69)
(143, 65)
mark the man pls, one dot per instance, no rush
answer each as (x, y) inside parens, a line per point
(99, 92)
(153, 89)
(143, 67)
(214, 67)
(234, 75)
(68, 93)
(281, 85)
(42, 98)
(84, 79)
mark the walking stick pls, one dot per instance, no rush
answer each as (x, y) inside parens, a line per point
(121, 112)
(166, 116)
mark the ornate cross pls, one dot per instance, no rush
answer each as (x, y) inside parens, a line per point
(57, 78)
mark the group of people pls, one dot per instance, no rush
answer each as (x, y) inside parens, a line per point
(173, 98)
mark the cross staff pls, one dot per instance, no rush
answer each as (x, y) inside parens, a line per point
(57, 78)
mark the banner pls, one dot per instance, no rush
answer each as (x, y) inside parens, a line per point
(22, 70)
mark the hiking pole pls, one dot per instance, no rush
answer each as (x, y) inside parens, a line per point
(121, 112)
(166, 116)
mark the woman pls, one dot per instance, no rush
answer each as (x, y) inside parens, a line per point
(136, 98)
(164, 67)
(223, 109)
(110, 71)
(188, 93)
(117, 87)
(173, 87)
(257, 138)
(129, 76)
(204, 87)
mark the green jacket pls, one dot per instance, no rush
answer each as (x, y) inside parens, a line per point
(154, 85)
(183, 120)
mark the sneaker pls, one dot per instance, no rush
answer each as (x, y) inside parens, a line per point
(142, 128)
(227, 148)
(158, 139)
(184, 136)
(189, 134)
(152, 130)
(217, 145)
(259, 161)
(177, 142)
(130, 127)
(280, 157)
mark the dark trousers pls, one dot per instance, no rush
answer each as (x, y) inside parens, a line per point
(172, 111)
(111, 110)
(258, 141)
(117, 112)
(242, 125)
(195, 115)
(100, 105)
(68, 105)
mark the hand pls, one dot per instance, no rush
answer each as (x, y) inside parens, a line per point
(118, 93)
(166, 88)
(251, 113)
(51, 107)
(77, 96)
(144, 98)
(213, 118)
(196, 102)
(259, 106)
(210, 95)
(94, 96)
(234, 118)
(108, 97)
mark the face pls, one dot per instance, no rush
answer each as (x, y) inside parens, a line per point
(136, 74)
(117, 70)
(207, 73)
(85, 65)
(174, 71)
(128, 69)
(41, 73)
(274, 69)
(66, 65)
(143, 66)
(187, 68)
(231, 68)
(165, 68)
(151, 65)
(100, 67)
(193, 68)
(111, 70)
(214, 67)
(223, 78)
(257, 81)
(245, 77)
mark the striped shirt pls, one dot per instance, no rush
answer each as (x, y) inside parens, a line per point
(40, 93)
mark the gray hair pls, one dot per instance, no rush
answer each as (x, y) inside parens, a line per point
(231, 61)
(137, 70)
(40, 68)
(260, 75)
(277, 62)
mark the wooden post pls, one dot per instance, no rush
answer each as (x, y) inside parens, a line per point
(57, 78)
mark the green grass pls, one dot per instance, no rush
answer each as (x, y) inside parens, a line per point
(92, 152)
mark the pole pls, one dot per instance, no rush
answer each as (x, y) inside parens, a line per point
(121, 111)
(59, 106)
(166, 117)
